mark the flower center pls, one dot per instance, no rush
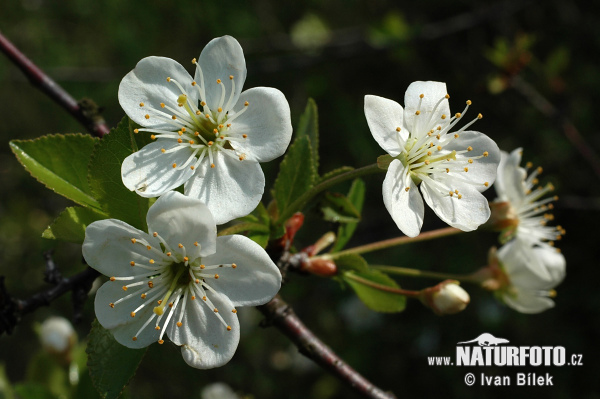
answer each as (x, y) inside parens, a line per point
(169, 280)
(200, 128)
(425, 153)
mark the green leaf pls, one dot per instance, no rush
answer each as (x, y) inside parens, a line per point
(337, 208)
(70, 225)
(296, 174)
(334, 173)
(375, 299)
(356, 196)
(308, 125)
(111, 364)
(104, 175)
(351, 262)
(258, 215)
(6, 389)
(60, 163)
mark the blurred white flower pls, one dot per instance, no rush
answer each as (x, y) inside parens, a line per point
(209, 134)
(57, 335)
(179, 279)
(519, 208)
(528, 275)
(452, 168)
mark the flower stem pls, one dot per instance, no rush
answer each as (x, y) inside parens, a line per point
(380, 287)
(304, 198)
(392, 242)
(405, 271)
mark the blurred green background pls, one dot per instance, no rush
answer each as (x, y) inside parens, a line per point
(335, 52)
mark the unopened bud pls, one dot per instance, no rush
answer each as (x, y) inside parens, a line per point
(58, 338)
(320, 267)
(292, 225)
(445, 298)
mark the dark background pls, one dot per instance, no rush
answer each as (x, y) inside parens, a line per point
(335, 52)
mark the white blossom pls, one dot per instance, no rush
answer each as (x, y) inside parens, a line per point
(527, 213)
(452, 168)
(209, 134)
(178, 279)
(529, 275)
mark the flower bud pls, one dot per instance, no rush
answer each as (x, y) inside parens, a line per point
(58, 338)
(445, 298)
(320, 267)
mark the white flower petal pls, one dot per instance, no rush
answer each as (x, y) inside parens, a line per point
(231, 189)
(108, 248)
(384, 117)
(254, 281)
(526, 302)
(483, 169)
(510, 182)
(432, 92)
(466, 213)
(204, 339)
(222, 57)
(111, 292)
(150, 172)
(183, 220)
(266, 122)
(536, 268)
(124, 333)
(147, 84)
(405, 207)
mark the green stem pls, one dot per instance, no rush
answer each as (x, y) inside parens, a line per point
(405, 271)
(375, 246)
(380, 287)
(304, 198)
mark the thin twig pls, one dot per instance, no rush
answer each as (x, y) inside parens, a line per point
(281, 315)
(12, 309)
(536, 99)
(85, 111)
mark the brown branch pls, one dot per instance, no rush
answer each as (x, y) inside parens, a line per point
(85, 111)
(12, 309)
(536, 99)
(282, 316)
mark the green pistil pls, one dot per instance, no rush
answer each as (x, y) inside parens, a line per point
(159, 310)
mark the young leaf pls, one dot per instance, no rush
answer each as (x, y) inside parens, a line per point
(296, 174)
(351, 262)
(258, 215)
(308, 125)
(60, 163)
(376, 299)
(70, 225)
(111, 364)
(356, 196)
(337, 208)
(104, 175)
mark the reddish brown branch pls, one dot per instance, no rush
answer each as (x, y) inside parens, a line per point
(85, 112)
(281, 315)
